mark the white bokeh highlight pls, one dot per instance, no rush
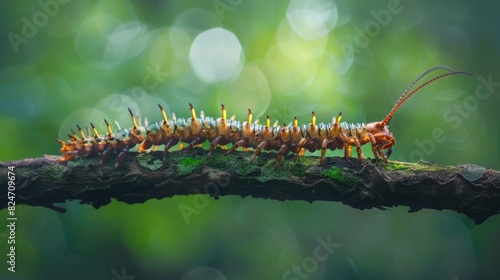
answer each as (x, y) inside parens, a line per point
(216, 56)
(312, 19)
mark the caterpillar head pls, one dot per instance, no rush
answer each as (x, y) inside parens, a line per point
(382, 135)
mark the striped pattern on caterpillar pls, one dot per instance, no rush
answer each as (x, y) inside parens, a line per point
(222, 131)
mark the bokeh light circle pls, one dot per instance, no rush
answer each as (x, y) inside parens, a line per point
(216, 56)
(103, 40)
(311, 19)
(126, 41)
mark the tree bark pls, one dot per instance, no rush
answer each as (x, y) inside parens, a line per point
(469, 189)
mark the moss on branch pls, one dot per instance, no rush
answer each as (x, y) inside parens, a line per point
(469, 189)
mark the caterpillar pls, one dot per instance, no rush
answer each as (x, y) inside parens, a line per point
(223, 131)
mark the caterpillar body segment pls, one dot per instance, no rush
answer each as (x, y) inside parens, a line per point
(165, 132)
(99, 140)
(194, 132)
(351, 137)
(282, 144)
(221, 134)
(264, 138)
(76, 146)
(128, 139)
(310, 140)
(246, 136)
(284, 139)
(153, 136)
(332, 140)
(111, 144)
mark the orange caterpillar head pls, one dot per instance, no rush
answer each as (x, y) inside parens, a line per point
(380, 130)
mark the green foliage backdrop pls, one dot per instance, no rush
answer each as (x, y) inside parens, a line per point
(67, 62)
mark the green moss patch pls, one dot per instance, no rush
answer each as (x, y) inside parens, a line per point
(420, 166)
(334, 173)
(54, 171)
(395, 165)
(243, 167)
(149, 162)
(267, 172)
(297, 169)
(187, 165)
(347, 179)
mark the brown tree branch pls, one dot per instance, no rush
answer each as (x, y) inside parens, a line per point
(468, 189)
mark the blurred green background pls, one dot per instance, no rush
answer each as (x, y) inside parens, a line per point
(71, 62)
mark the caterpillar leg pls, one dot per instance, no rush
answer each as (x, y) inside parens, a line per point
(389, 151)
(387, 142)
(374, 146)
(213, 145)
(299, 148)
(236, 146)
(121, 157)
(347, 151)
(261, 146)
(323, 151)
(167, 147)
(105, 155)
(283, 150)
(193, 143)
(381, 153)
(383, 147)
(358, 150)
